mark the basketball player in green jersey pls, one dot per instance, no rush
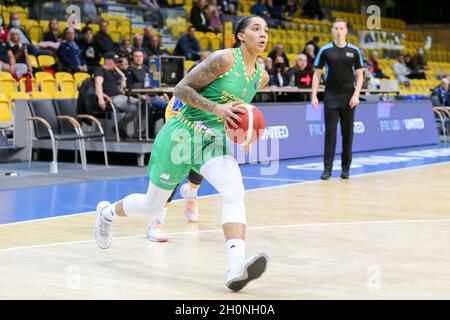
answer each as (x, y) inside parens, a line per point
(195, 139)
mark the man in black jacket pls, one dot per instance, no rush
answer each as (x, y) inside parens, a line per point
(103, 41)
(88, 51)
(199, 18)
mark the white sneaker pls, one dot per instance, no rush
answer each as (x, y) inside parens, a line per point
(190, 205)
(155, 231)
(102, 228)
(250, 269)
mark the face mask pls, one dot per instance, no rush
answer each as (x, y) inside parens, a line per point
(16, 23)
(279, 65)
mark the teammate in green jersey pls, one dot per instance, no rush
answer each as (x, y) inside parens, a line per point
(196, 139)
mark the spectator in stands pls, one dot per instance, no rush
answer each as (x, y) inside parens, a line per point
(90, 11)
(103, 41)
(125, 48)
(136, 79)
(53, 32)
(275, 11)
(299, 75)
(69, 54)
(7, 59)
(260, 9)
(291, 9)
(313, 10)
(199, 18)
(188, 46)
(315, 42)
(418, 61)
(213, 14)
(123, 63)
(442, 93)
(401, 71)
(268, 62)
(20, 51)
(154, 47)
(3, 29)
(225, 7)
(278, 77)
(88, 52)
(148, 32)
(279, 51)
(374, 68)
(111, 81)
(414, 70)
(309, 52)
(232, 10)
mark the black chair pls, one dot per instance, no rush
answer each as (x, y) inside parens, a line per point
(46, 125)
(68, 107)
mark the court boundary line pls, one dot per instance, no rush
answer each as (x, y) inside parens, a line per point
(305, 225)
(248, 190)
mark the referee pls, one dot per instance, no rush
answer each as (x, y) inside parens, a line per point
(341, 60)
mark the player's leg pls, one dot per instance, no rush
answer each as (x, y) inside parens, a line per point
(225, 176)
(189, 192)
(134, 204)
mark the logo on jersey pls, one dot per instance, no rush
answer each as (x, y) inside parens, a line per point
(349, 54)
(165, 176)
(203, 127)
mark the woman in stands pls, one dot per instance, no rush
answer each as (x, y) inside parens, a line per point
(196, 139)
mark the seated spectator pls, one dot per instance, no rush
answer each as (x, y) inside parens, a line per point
(278, 77)
(225, 7)
(52, 34)
(260, 9)
(154, 48)
(419, 61)
(188, 46)
(414, 70)
(279, 51)
(69, 54)
(374, 68)
(313, 10)
(86, 45)
(111, 81)
(123, 63)
(103, 41)
(20, 52)
(25, 38)
(232, 10)
(401, 71)
(299, 75)
(213, 13)
(275, 11)
(7, 59)
(268, 62)
(199, 18)
(291, 9)
(315, 42)
(148, 32)
(442, 93)
(136, 79)
(125, 48)
(309, 52)
(3, 29)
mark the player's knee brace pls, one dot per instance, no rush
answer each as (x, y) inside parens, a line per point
(233, 204)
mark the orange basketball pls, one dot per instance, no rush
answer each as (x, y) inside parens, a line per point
(250, 129)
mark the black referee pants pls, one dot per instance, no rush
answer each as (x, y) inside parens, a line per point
(337, 108)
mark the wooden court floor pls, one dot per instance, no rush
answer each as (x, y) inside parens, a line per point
(375, 236)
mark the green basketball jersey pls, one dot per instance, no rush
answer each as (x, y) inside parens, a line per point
(234, 85)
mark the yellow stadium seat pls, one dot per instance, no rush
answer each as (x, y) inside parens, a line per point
(80, 77)
(35, 33)
(17, 96)
(47, 85)
(5, 110)
(40, 75)
(216, 42)
(188, 65)
(7, 86)
(60, 76)
(68, 86)
(33, 61)
(5, 75)
(46, 60)
(41, 95)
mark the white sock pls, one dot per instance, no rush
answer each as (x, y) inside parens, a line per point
(109, 213)
(161, 216)
(236, 252)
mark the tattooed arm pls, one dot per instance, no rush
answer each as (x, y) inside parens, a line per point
(206, 72)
